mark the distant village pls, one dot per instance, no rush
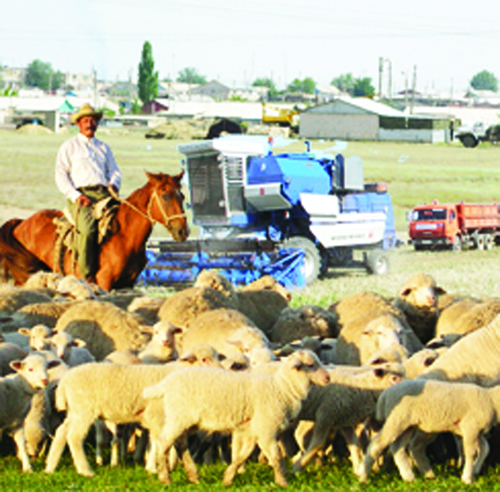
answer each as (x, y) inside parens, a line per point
(407, 115)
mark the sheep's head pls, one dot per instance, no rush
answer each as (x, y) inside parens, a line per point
(308, 362)
(421, 290)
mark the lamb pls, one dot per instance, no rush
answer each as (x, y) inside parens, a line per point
(450, 313)
(183, 307)
(43, 280)
(304, 321)
(103, 326)
(71, 350)
(227, 330)
(162, 347)
(347, 401)
(262, 300)
(431, 407)
(145, 309)
(418, 299)
(9, 352)
(46, 313)
(16, 392)
(13, 298)
(75, 288)
(371, 331)
(472, 359)
(114, 393)
(476, 316)
(38, 336)
(253, 407)
(419, 362)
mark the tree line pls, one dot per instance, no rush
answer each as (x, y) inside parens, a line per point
(41, 74)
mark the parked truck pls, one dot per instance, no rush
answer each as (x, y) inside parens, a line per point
(445, 225)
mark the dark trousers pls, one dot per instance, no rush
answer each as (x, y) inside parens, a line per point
(85, 243)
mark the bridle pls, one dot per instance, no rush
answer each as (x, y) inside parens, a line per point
(154, 197)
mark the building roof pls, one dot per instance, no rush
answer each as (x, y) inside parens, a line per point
(230, 109)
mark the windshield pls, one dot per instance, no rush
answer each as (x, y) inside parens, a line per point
(430, 214)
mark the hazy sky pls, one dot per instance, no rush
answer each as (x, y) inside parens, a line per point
(236, 41)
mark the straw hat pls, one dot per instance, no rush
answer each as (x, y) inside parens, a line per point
(86, 110)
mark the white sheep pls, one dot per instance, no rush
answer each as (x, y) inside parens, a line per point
(13, 298)
(254, 407)
(9, 352)
(418, 300)
(417, 405)
(145, 309)
(183, 307)
(162, 346)
(16, 392)
(75, 288)
(38, 336)
(227, 330)
(419, 362)
(476, 316)
(112, 392)
(346, 402)
(103, 326)
(451, 312)
(304, 321)
(71, 350)
(472, 359)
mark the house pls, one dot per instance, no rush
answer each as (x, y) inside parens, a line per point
(214, 89)
(363, 119)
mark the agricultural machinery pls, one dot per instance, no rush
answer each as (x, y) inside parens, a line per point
(289, 215)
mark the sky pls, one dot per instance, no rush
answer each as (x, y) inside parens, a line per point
(436, 44)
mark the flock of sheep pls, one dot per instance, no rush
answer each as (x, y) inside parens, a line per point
(219, 372)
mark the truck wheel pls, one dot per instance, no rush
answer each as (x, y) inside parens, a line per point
(456, 245)
(312, 256)
(480, 242)
(488, 242)
(469, 141)
(377, 262)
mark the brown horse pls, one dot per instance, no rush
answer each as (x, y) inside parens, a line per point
(27, 246)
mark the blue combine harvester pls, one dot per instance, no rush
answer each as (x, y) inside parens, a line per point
(289, 215)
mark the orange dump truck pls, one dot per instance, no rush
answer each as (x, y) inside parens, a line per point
(445, 225)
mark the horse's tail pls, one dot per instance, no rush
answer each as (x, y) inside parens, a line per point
(15, 260)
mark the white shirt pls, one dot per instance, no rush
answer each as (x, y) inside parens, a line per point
(85, 162)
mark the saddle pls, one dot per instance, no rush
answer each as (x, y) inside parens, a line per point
(104, 212)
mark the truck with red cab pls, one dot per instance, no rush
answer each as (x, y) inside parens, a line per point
(445, 225)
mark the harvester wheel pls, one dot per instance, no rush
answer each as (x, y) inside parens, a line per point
(377, 262)
(312, 256)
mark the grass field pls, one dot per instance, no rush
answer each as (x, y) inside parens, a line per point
(415, 173)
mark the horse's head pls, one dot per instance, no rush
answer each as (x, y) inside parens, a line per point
(166, 204)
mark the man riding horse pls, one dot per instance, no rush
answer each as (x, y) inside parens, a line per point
(86, 171)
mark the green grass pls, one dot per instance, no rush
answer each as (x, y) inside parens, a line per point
(335, 476)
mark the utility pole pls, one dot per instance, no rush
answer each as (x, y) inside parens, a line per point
(380, 75)
(389, 83)
(95, 88)
(414, 87)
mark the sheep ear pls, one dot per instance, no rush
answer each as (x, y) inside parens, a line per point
(378, 361)
(16, 365)
(147, 329)
(221, 357)
(439, 291)
(379, 373)
(78, 342)
(24, 331)
(178, 330)
(53, 363)
(189, 357)
(405, 292)
(297, 365)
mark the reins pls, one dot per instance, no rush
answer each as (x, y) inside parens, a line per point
(148, 215)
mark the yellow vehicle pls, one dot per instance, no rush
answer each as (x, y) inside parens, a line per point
(280, 115)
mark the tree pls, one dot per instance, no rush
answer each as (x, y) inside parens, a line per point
(306, 86)
(363, 87)
(40, 74)
(344, 83)
(148, 79)
(272, 92)
(484, 81)
(189, 75)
